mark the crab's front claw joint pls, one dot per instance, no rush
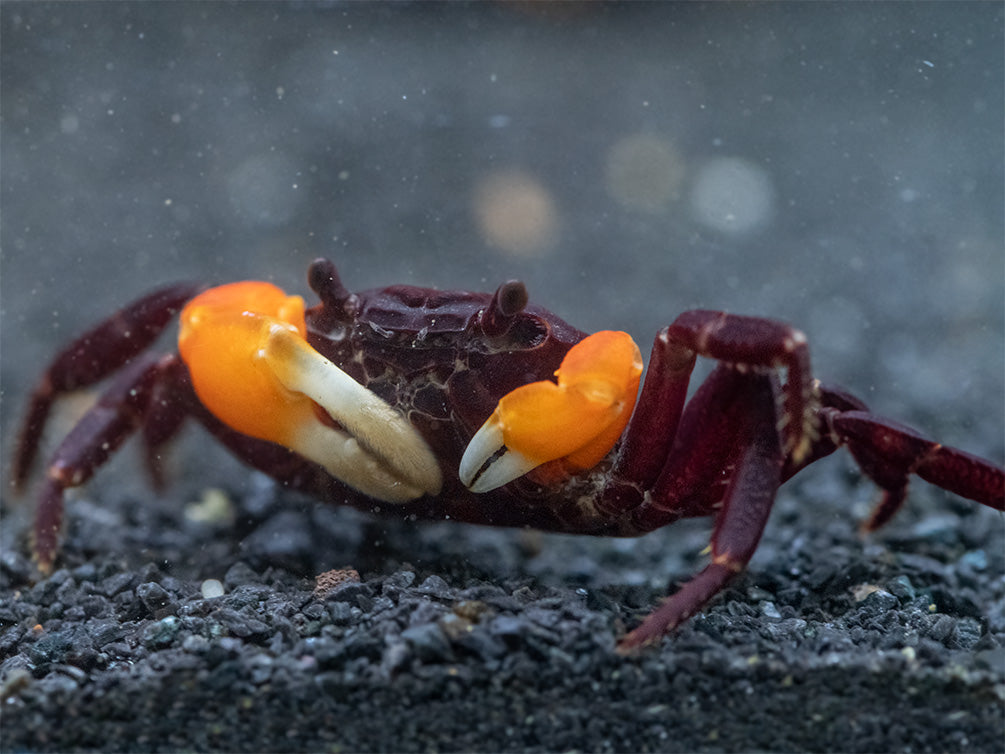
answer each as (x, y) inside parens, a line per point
(251, 366)
(574, 422)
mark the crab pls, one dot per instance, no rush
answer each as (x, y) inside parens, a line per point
(480, 408)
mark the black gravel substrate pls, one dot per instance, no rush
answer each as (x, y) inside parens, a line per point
(828, 644)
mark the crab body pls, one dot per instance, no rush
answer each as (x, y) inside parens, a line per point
(445, 359)
(485, 409)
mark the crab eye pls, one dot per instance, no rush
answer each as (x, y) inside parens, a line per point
(575, 420)
(529, 331)
(507, 302)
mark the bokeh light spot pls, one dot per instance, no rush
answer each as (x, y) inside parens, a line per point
(644, 172)
(259, 189)
(515, 212)
(732, 195)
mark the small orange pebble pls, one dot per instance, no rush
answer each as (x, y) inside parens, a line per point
(327, 582)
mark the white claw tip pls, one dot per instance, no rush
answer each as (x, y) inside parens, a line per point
(488, 464)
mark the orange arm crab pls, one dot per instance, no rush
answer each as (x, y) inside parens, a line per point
(482, 408)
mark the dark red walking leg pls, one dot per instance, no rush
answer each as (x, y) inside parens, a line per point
(93, 356)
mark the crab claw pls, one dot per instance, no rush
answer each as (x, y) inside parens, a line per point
(575, 422)
(246, 350)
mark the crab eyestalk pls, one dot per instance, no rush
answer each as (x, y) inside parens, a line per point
(246, 350)
(574, 421)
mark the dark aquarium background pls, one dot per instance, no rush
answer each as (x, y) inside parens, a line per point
(836, 165)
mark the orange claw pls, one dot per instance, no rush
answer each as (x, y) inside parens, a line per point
(246, 350)
(575, 421)
(222, 332)
(580, 418)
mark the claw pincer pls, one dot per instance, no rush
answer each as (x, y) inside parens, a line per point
(573, 422)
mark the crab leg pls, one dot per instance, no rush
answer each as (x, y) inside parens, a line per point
(251, 366)
(653, 427)
(746, 432)
(729, 425)
(93, 356)
(171, 403)
(744, 344)
(105, 426)
(750, 343)
(889, 452)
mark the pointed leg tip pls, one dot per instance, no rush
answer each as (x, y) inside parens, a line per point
(639, 640)
(627, 646)
(43, 554)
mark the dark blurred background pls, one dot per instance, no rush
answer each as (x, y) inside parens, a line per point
(836, 165)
